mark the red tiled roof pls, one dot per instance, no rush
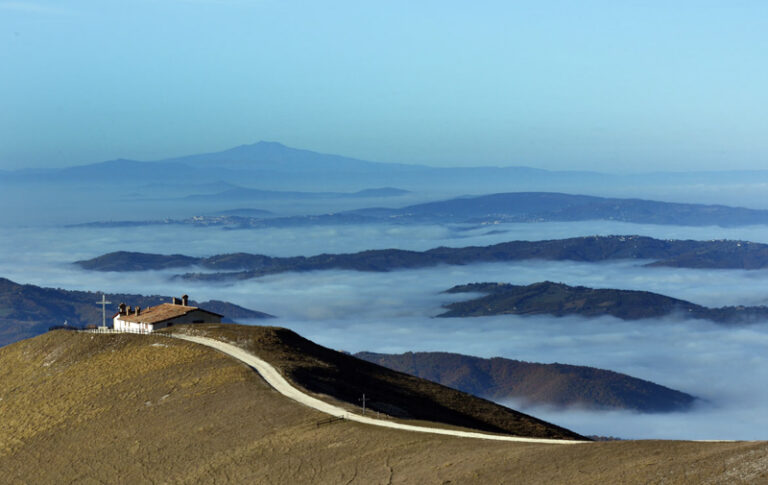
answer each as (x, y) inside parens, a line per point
(161, 313)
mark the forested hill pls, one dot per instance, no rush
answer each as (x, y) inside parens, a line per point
(532, 383)
(675, 253)
(553, 206)
(29, 310)
(560, 300)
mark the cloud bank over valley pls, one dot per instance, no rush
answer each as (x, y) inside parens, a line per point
(393, 312)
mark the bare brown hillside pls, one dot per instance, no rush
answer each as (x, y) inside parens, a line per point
(80, 408)
(346, 378)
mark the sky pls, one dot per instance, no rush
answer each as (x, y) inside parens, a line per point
(596, 84)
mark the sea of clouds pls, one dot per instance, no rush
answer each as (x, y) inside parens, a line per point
(726, 366)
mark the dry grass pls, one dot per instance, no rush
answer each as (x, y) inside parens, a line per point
(343, 378)
(79, 408)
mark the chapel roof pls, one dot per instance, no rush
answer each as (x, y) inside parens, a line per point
(162, 312)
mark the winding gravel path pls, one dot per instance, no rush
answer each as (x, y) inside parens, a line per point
(277, 381)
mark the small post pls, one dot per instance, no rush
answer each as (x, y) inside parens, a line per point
(364, 399)
(103, 304)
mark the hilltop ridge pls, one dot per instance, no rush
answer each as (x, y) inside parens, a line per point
(127, 407)
(560, 299)
(649, 251)
(346, 378)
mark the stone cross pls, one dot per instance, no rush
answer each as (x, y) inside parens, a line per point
(103, 304)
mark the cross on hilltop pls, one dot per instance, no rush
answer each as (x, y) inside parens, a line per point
(103, 304)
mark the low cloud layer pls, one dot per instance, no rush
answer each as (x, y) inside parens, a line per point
(726, 367)
(393, 312)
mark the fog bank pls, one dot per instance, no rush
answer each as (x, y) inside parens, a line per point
(393, 312)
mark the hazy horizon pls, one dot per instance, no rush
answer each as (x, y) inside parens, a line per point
(594, 85)
(607, 170)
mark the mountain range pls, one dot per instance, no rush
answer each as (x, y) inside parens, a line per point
(294, 182)
(651, 252)
(289, 168)
(284, 167)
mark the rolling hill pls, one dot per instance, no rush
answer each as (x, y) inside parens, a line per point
(106, 408)
(717, 254)
(552, 206)
(531, 383)
(559, 299)
(514, 207)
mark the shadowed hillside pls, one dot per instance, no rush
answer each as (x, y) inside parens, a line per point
(675, 253)
(346, 378)
(559, 299)
(550, 384)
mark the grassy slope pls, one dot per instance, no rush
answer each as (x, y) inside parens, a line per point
(136, 409)
(346, 378)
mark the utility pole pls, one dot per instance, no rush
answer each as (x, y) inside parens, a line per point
(103, 304)
(363, 400)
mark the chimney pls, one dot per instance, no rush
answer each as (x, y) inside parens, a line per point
(174, 300)
(137, 310)
(130, 310)
(121, 309)
(185, 300)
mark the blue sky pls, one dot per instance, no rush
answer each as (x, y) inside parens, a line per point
(601, 85)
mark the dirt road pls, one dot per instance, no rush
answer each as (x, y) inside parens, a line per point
(277, 381)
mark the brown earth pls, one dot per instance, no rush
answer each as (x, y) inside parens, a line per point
(344, 379)
(81, 408)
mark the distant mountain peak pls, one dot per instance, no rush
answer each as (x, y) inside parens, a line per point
(261, 145)
(272, 155)
(269, 143)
